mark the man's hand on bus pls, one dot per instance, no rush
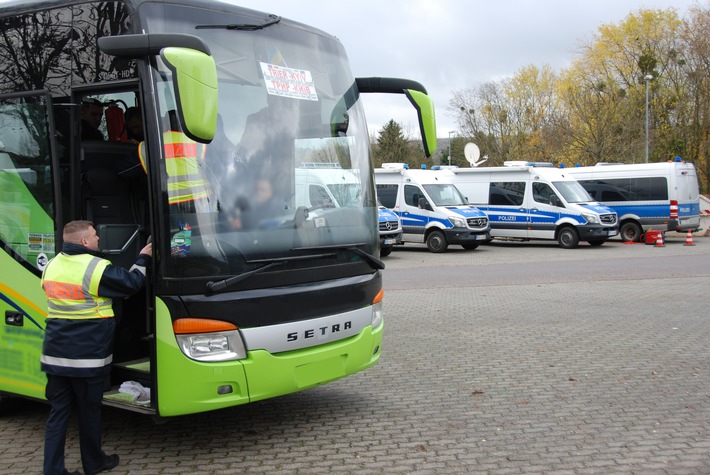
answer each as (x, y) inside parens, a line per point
(148, 249)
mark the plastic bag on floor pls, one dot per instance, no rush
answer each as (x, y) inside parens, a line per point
(140, 394)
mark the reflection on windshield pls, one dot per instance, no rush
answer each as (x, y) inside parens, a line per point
(445, 195)
(289, 166)
(572, 192)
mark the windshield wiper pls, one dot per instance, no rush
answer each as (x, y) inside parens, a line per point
(214, 286)
(272, 20)
(374, 262)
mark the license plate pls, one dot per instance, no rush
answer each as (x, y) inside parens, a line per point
(480, 237)
(390, 241)
(613, 233)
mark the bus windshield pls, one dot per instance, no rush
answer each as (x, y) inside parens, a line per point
(286, 100)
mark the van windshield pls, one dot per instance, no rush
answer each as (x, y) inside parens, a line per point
(572, 191)
(445, 195)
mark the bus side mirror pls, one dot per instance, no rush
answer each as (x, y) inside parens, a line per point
(417, 95)
(195, 82)
(427, 120)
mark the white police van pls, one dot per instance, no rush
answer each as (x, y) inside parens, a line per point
(432, 210)
(337, 187)
(663, 196)
(525, 200)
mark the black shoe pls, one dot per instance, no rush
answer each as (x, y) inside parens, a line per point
(109, 462)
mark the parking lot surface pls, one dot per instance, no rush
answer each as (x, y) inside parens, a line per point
(513, 358)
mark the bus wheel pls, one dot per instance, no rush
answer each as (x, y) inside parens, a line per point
(630, 232)
(469, 247)
(436, 242)
(568, 238)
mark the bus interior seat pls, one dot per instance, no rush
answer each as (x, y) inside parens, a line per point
(107, 198)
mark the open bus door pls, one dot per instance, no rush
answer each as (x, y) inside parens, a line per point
(30, 202)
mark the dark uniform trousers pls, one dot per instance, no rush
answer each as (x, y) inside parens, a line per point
(63, 393)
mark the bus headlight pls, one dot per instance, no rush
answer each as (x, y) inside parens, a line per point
(376, 315)
(591, 218)
(377, 309)
(209, 340)
(221, 346)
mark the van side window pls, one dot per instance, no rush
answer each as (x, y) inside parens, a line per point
(542, 192)
(634, 189)
(506, 193)
(387, 194)
(412, 194)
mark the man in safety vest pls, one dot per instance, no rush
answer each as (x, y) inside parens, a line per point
(78, 341)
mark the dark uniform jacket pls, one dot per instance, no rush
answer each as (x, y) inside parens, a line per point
(83, 347)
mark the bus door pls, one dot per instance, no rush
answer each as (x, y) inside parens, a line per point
(113, 194)
(544, 211)
(29, 202)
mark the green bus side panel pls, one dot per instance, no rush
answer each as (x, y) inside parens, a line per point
(21, 345)
(24, 225)
(186, 386)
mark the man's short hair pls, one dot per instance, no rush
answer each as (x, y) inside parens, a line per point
(74, 231)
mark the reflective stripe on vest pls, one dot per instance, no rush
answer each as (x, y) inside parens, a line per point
(71, 284)
(183, 162)
(74, 363)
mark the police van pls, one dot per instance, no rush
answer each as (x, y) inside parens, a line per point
(337, 187)
(432, 210)
(661, 196)
(525, 201)
(390, 229)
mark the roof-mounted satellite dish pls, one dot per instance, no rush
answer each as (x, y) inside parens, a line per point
(472, 154)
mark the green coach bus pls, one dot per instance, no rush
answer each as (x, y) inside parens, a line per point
(250, 296)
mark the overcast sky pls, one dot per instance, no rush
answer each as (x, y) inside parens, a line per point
(449, 45)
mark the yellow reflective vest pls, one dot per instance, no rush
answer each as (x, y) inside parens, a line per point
(71, 283)
(183, 163)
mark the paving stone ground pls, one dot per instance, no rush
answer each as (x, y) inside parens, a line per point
(510, 359)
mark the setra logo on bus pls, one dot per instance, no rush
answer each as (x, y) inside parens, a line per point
(319, 332)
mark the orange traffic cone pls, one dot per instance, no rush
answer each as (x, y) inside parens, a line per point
(659, 240)
(689, 239)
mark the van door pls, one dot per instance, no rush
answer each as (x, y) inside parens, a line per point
(414, 219)
(545, 209)
(506, 209)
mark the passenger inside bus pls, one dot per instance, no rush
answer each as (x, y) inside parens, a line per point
(92, 111)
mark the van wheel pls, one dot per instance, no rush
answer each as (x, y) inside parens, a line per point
(568, 238)
(385, 251)
(436, 242)
(597, 243)
(630, 232)
(469, 247)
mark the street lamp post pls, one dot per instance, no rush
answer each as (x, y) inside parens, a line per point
(450, 132)
(647, 78)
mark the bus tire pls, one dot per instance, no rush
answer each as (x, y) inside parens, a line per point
(630, 231)
(436, 242)
(568, 238)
